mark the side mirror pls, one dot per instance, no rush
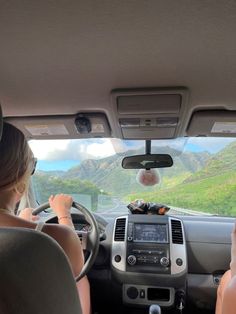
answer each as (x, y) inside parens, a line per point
(147, 161)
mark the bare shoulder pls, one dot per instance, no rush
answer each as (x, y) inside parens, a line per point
(70, 243)
(61, 233)
(229, 299)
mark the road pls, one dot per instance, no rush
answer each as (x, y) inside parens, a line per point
(121, 207)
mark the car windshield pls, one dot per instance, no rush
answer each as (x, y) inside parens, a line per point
(202, 179)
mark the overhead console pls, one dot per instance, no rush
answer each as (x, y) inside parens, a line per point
(150, 114)
(212, 123)
(149, 258)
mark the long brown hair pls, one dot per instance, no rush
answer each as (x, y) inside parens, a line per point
(15, 158)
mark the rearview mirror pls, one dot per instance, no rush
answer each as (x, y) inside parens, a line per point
(147, 161)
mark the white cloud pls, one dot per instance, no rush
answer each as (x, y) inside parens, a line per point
(101, 150)
(43, 148)
(72, 149)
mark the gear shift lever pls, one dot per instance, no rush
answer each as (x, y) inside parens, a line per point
(154, 309)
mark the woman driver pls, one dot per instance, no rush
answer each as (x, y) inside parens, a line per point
(17, 164)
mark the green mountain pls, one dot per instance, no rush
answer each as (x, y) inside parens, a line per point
(224, 161)
(211, 189)
(108, 175)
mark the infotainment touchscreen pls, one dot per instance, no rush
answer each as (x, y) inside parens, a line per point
(150, 233)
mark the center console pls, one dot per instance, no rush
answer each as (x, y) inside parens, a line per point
(149, 259)
(148, 247)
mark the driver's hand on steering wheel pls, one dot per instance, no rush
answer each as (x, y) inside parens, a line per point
(61, 205)
(27, 214)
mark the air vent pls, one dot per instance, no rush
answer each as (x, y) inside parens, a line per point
(177, 233)
(120, 229)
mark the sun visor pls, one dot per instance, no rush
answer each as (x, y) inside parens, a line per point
(150, 114)
(217, 123)
(82, 125)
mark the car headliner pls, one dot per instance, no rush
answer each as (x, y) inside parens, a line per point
(59, 57)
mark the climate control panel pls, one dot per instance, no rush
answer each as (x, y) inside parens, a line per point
(142, 257)
(148, 257)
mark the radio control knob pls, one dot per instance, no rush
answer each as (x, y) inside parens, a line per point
(164, 261)
(131, 260)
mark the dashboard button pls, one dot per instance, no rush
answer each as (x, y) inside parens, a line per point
(132, 293)
(117, 258)
(142, 294)
(179, 261)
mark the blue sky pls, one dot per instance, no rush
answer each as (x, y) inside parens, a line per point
(52, 165)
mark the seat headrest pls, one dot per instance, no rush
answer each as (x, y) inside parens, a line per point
(35, 275)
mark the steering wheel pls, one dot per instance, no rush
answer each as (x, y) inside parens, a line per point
(92, 236)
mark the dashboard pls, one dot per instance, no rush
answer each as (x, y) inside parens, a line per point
(166, 260)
